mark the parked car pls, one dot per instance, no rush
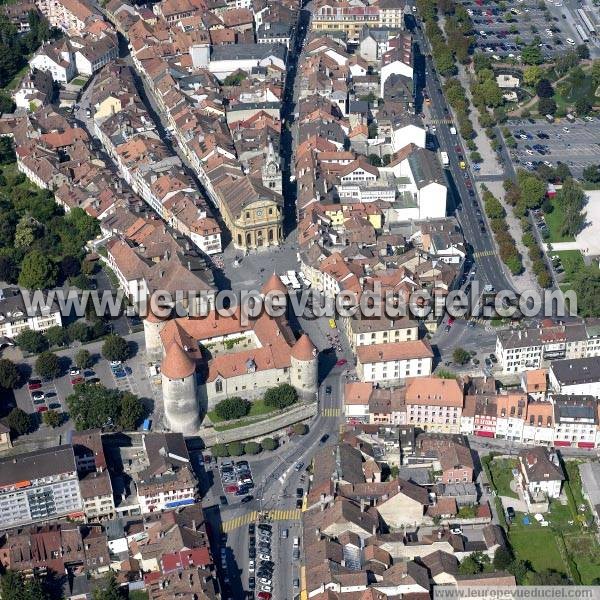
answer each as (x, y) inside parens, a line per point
(324, 438)
(38, 395)
(247, 499)
(223, 500)
(41, 409)
(34, 384)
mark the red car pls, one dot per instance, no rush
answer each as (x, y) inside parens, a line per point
(231, 489)
(77, 380)
(41, 409)
(341, 362)
(264, 595)
(451, 321)
(34, 384)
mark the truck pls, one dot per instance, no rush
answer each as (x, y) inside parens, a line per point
(445, 159)
(453, 130)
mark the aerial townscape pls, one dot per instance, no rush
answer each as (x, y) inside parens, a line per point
(299, 299)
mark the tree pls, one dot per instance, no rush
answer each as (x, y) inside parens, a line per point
(38, 272)
(232, 408)
(47, 365)
(110, 589)
(544, 89)
(532, 55)
(583, 106)
(83, 359)
(374, 160)
(51, 418)
(282, 396)
(469, 566)
(8, 269)
(444, 61)
(372, 131)
(583, 51)
(520, 569)
(31, 341)
(562, 171)
(269, 444)
(502, 559)
(461, 356)
(131, 413)
(78, 331)
(547, 106)
(56, 336)
(95, 406)
(548, 577)
(9, 374)
(532, 188)
(115, 348)
(252, 448)
(18, 421)
(25, 233)
(300, 428)
(14, 586)
(219, 451)
(586, 285)
(532, 74)
(7, 152)
(235, 449)
(592, 173)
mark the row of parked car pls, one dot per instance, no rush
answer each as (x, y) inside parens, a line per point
(260, 564)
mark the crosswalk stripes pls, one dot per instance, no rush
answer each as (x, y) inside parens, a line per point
(292, 514)
(331, 412)
(484, 253)
(441, 121)
(240, 521)
(479, 320)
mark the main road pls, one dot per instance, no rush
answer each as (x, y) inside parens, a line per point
(490, 269)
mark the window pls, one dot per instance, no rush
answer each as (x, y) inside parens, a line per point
(218, 386)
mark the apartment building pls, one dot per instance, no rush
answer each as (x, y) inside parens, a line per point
(525, 349)
(577, 377)
(39, 486)
(15, 318)
(365, 331)
(434, 404)
(394, 361)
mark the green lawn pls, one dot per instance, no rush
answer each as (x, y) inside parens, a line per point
(537, 545)
(138, 595)
(572, 263)
(554, 221)
(501, 469)
(257, 408)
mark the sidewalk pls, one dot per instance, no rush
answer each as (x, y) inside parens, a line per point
(527, 280)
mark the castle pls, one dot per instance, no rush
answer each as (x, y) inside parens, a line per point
(206, 359)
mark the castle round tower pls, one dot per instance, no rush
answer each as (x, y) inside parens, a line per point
(304, 371)
(153, 325)
(274, 287)
(179, 390)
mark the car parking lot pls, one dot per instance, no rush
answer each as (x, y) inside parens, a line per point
(503, 31)
(236, 479)
(575, 144)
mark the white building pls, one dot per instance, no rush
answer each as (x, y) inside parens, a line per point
(14, 316)
(395, 361)
(227, 59)
(575, 421)
(540, 473)
(576, 377)
(57, 59)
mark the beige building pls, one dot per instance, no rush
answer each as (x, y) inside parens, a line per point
(363, 331)
(97, 496)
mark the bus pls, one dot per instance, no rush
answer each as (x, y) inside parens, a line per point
(586, 21)
(582, 33)
(445, 159)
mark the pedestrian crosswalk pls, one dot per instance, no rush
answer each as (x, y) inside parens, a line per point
(331, 412)
(240, 521)
(441, 121)
(484, 253)
(292, 514)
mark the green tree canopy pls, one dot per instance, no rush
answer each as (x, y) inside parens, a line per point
(220, 451)
(78, 331)
(232, 408)
(47, 365)
(83, 359)
(31, 341)
(9, 374)
(18, 421)
(94, 406)
(269, 444)
(51, 418)
(56, 335)
(235, 449)
(586, 284)
(282, 396)
(109, 590)
(115, 348)
(300, 428)
(460, 356)
(38, 272)
(252, 448)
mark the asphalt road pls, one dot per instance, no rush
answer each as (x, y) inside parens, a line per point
(490, 269)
